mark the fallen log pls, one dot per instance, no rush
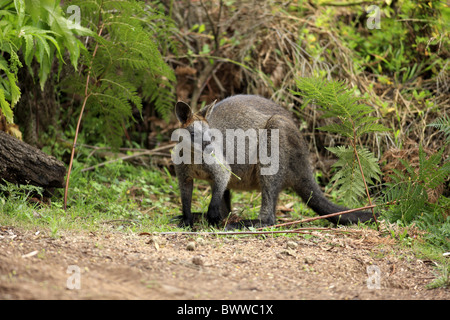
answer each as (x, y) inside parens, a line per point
(21, 163)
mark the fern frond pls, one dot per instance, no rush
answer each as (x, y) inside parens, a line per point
(345, 129)
(442, 124)
(370, 128)
(431, 174)
(128, 67)
(337, 101)
(125, 89)
(409, 198)
(409, 188)
(348, 178)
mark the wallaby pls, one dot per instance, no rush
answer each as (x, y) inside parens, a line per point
(274, 130)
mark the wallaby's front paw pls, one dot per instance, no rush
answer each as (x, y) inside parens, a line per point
(246, 224)
(186, 223)
(213, 216)
(182, 223)
(234, 226)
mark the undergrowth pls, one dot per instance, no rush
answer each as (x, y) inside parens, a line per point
(118, 195)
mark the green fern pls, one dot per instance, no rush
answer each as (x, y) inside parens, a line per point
(442, 124)
(335, 100)
(409, 189)
(33, 31)
(348, 179)
(127, 67)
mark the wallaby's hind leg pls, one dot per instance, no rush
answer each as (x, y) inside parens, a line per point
(226, 204)
(269, 198)
(270, 189)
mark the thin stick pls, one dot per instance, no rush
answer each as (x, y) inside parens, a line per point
(321, 217)
(127, 157)
(229, 233)
(329, 229)
(86, 97)
(221, 233)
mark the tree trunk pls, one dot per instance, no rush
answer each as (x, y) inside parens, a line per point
(21, 163)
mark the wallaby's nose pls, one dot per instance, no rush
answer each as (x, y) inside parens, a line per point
(206, 144)
(206, 137)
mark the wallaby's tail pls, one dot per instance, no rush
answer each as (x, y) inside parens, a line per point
(310, 192)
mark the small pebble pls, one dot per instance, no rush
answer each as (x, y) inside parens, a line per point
(190, 246)
(309, 260)
(292, 244)
(197, 261)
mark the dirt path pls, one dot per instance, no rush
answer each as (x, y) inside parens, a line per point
(112, 265)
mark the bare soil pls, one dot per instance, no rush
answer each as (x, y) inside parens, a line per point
(115, 265)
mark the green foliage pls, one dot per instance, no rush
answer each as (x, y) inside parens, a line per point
(14, 199)
(405, 45)
(442, 124)
(124, 64)
(28, 32)
(409, 189)
(348, 178)
(437, 227)
(409, 195)
(118, 195)
(335, 100)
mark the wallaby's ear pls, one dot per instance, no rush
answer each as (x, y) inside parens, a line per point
(183, 111)
(206, 111)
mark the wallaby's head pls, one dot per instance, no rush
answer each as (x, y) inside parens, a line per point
(196, 124)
